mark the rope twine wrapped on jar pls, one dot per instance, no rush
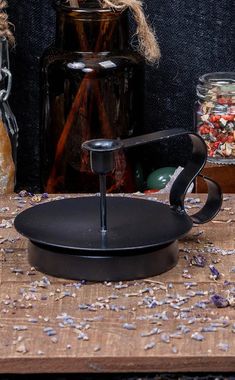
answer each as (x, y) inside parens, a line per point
(147, 41)
(5, 25)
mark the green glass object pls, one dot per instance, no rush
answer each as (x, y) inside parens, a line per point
(139, 176)
(159, 178)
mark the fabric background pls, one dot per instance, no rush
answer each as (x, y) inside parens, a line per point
(195, 37)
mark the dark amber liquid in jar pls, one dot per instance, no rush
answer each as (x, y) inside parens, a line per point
(92, 88)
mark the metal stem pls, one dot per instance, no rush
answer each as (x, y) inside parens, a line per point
(103, 203)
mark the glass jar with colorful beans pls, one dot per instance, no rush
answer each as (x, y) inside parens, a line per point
(215, 115)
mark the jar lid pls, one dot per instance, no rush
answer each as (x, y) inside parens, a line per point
(216, 84)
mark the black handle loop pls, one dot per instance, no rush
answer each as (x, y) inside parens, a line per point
(188, 174)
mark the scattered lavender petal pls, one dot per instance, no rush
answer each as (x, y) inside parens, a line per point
(215, 273)
(97, 348)
(199, 261)
(45, 195)
(149, 346)
(24, 193)
(9, 250)
(208, 329)
(188, 285)
(20, 328)
(17, 270)
(152, 332)
(83, 306)
(223, 346)
(165, 338)
(192, 320)
(22, 349)
(129, 326)
(197, 336)
(82, 336)
(49, 331)
(200, 305)
(33, 320)
(184, 329)
(174, 350)
(219, 301)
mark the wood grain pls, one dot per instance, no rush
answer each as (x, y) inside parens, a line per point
(222, 174)
(98, 313)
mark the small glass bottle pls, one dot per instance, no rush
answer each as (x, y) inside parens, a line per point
(215, 115)
(92, 88)
(8, 125)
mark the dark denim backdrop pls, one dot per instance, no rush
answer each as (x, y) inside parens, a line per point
(196, 36)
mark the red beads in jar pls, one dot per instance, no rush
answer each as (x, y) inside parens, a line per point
(215, 115)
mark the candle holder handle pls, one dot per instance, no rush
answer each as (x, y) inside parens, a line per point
(102, 162)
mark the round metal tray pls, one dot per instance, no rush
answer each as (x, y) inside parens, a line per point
(133, 224)
(66, 241)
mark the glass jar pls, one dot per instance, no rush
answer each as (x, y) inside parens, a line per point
(8, 125)
(92, 88)
(215, 115)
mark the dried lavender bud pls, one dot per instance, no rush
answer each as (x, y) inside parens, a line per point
(129, 326)
(200, 305)
(223, 346)
(197, 336)
(83, 306)
(152, 332)
(97, 348)
(208, 329)
(82, 336)
(49, 331)
(165, 338)
(22, 349)
(198, 261)
(23, 193)
(183, 329)
(39, 352)
(219, 301)
(20, 328)
(149, 346)
(17, 270)
(45, 195)
(174, 350)
(33, 320)
(215, 273)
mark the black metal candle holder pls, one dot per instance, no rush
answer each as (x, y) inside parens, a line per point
(115, 238)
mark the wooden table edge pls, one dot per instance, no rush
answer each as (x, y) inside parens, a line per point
(175, 364)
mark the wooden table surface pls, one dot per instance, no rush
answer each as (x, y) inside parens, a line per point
(167, 323)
